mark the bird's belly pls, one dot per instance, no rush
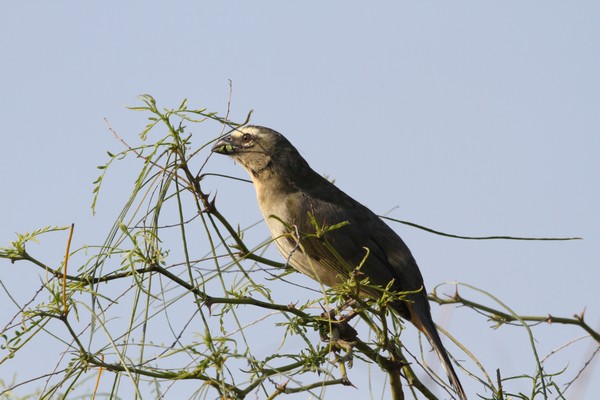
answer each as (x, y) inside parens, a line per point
(307, 265)
(286, 240)
(294, 256)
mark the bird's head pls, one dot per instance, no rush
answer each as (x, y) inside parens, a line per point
(257, 149)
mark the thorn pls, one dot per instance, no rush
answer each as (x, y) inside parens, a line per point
(208, 303)
(456, 296)
(324, 313)
(211, 203)
(282, 386)
(346, 382)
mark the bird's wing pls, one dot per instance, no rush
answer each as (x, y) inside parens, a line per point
(332, 231)
(355, 229)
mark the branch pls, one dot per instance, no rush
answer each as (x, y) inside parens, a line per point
(502, 317)
(473, 237)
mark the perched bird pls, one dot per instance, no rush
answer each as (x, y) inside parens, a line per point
(295, 202)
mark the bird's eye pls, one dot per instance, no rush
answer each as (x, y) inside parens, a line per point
(247, 138)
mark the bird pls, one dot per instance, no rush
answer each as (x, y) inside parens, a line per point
(298, 204)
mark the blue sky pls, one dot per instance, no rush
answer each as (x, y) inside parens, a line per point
(469, 117)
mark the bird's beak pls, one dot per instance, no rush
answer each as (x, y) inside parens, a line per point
(225, 146)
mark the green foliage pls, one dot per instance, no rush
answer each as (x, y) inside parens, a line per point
(175, 295)
(16, 249)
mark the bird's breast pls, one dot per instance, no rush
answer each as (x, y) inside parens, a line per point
(287, 239)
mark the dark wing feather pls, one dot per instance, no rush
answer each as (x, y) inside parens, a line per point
(389, 257)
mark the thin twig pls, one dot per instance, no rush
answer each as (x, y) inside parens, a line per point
(503, 317)
(64, 280)
(473, 237)
(98, 378)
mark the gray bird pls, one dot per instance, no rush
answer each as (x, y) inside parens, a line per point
(295, 200)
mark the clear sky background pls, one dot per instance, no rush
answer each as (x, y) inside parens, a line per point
(475, 118)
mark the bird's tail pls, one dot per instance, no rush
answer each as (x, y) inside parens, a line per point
(421, 318)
